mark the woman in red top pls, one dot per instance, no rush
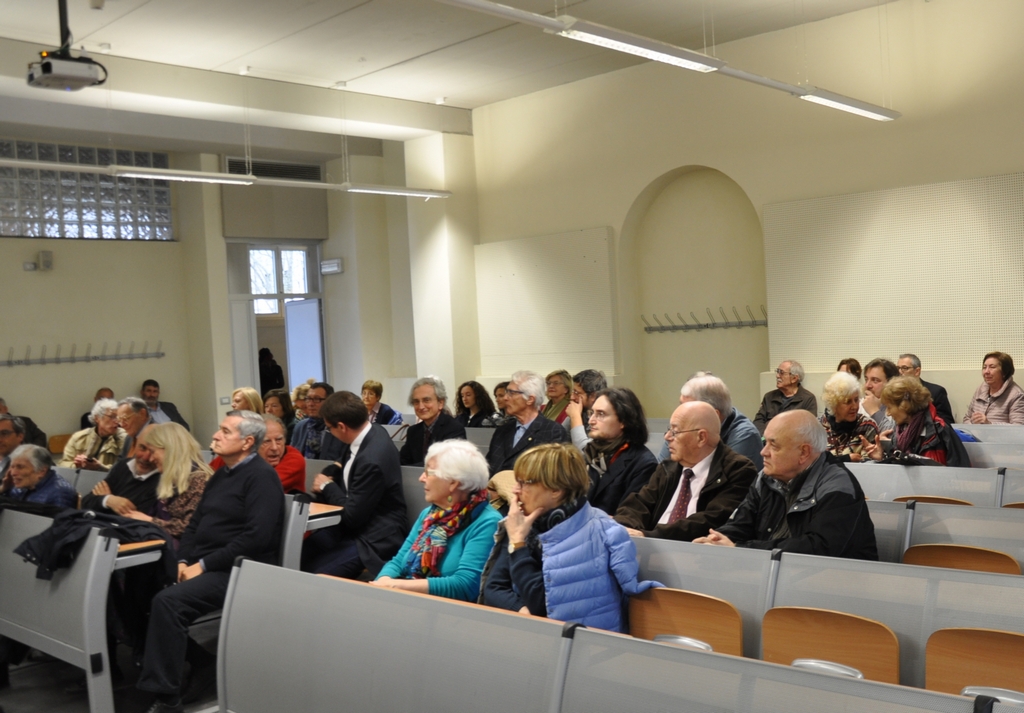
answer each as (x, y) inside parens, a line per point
(288, 462)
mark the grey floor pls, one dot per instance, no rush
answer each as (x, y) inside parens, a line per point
(38, 685)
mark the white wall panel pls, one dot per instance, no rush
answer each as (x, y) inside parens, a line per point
(936, 269)
(545, 303)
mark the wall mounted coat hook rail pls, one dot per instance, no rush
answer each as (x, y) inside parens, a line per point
(74, 358)
(712, 323)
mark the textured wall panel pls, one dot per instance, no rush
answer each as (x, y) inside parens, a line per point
(937, 270)
(545, 303)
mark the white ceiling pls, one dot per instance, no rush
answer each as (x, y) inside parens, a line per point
(418, 50)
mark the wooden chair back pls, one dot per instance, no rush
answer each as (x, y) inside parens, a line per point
(57, 443)
(957, 658)
(938, 499)
(682, 613)
(978, 559)
(1018, 506)
(790, 633)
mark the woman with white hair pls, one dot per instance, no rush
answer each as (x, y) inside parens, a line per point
(32, 479)
(843, 421)
(99, 447)
(448, 546)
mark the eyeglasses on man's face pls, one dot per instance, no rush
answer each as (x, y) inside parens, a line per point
(509, 391)
(671, 434)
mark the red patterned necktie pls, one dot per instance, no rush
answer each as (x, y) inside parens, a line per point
(683, 501)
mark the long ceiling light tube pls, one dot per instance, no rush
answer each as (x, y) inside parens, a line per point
(566, 26)
(223, 178)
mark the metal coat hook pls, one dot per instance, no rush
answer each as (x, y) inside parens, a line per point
(712, 323)
(74, 358)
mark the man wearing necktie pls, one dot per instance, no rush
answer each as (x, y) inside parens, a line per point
(697, 488)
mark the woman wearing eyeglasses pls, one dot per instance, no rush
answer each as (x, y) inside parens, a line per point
(618, 460)
(555, 555)
(447, 548)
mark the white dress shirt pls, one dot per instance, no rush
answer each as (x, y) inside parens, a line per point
(700, 476)
(354, 449)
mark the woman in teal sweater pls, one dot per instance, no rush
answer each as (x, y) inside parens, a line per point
(448, 546)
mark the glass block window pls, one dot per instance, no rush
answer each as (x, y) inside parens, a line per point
(70, 204)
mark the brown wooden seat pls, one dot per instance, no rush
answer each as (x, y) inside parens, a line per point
(978, 559)
(56, 443)
(790, 633)
(682, 613)
(1018, 506)
(957, 658)
(937, 499)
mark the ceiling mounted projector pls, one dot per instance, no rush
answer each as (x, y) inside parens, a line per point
(59, 70)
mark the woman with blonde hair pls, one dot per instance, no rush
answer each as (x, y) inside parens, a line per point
(246, 398)
(299, 399)
(183, 476)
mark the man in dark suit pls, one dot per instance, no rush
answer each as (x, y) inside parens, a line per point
(697, 489)
(910, 365)
(367, 482)
(524, 398)
(160, 411)
(428, 398)
(240, 514)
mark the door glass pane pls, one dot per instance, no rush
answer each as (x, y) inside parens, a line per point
(265, 306)
(262, 273)
(293, 270)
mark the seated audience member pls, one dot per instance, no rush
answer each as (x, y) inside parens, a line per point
(500, 398)
(789, 396)
(585, 386)
(12, 435)
(278, 403)
(288, 462)
(380, 413)
(877, 374)
(559, 388)
(697, 488)
(99, 447)
(311, 436)
(527, 428)
(183, 477)
(240, 515)
(920, 431)
(299, 400)
(132, 417)
(736, 431)
(32, 479)
(160, 411)
(803, 501)
(844, 424)
(428, 398)
(130, 485)
(367, 482)
(999, 399)
(33, 434)
(474, 408)
(910, 365)
(103, 393)
(448, 546)
(555, 555)
(271, 373)
(850, 366)
(246, 398)
(618, 460)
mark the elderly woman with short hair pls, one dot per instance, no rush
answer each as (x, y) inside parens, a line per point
(32, 479)
(559, 393)
(618, 460)
(99, 447)
(999, 399)
(447, 548)
(381, 413)
(920, 433)
(299, 394)
(843, 421)
(277, 402)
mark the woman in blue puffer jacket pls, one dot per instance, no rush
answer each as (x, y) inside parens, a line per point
(555, 555)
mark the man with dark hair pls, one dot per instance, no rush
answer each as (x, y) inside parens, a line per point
(12, 435)
(33, 435)
(877, 374)
(240, 514)
(311, 436)
(910, 365)
(366, 481)
(160, 411)
(585, 386)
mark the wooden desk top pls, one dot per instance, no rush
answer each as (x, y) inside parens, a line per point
(133, 547)
(316, 509)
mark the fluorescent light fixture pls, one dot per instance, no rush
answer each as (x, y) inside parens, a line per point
(164, 174)
(629, 43)
(509, 13)
(391, 190)
(853, 106)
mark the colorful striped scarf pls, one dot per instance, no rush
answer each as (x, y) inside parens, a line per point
(430, 545)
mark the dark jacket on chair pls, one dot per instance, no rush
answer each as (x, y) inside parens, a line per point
(418, 439)
(626, 474)
(502, 455)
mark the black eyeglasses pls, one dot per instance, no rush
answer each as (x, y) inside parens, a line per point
(514, 392)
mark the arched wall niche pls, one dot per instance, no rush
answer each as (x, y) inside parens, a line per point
(691, 240)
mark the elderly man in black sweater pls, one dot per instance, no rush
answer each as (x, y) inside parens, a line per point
(241, 513)
(130, 485)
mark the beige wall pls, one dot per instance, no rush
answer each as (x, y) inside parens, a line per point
(97, 293)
